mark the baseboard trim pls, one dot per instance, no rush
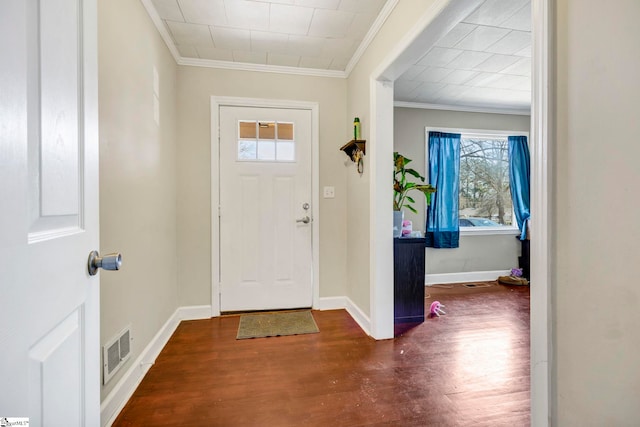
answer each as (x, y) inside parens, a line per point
(469, 276)
(331, 303)
(358, 315)
(194, 312)
(122, 392)
(345, 303)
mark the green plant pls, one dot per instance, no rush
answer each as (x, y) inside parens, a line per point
(401, 186)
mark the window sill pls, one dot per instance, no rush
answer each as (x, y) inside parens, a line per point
(488, 231)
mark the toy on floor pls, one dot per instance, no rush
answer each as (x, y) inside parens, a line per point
(514, 279)
(407, 228)
(436, 309)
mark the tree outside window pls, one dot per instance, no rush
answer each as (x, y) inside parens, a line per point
(485, 198)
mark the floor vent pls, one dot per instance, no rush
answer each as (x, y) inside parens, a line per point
(115, 353)
(477, 285)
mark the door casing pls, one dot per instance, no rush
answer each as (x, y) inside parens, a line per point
(216, 103)
(542, 189)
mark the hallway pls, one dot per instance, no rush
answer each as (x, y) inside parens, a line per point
(468, 367)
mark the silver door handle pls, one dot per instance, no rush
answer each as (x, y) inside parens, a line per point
(305, 220)
(108, 262)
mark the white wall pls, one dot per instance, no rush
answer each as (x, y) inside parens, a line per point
(595, 291)
(195, 88)
(137, 175)
(404, 16)
(476, 253)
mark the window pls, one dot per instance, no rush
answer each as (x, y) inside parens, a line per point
(266, 141)
(485, 196)
(484, 205)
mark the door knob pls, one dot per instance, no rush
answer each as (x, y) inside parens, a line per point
(108, 262)
(305, 220)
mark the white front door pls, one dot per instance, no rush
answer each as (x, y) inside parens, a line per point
(49, 315)
(265, 208)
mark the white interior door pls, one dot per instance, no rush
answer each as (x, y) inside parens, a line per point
(265, 208)
(49, 320)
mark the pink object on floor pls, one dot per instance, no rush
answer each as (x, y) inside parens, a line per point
(436, 308)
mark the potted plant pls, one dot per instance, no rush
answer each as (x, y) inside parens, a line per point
(402, 186)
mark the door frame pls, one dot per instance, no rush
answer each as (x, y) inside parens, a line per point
(430, 26)
(226, 101)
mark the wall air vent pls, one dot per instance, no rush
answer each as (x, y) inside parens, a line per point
(115, 353)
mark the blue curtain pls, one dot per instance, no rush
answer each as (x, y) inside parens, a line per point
(519, 180)
(443, 230)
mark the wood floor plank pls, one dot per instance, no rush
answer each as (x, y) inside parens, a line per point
(469, 367)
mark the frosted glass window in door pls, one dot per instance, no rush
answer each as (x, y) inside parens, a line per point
(266, 141)
(266, 150)
(247, 150)
(286, 151)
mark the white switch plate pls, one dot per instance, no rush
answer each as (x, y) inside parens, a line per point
(329, 192)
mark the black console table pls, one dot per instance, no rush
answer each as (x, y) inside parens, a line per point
(524, 259)
(408, 283)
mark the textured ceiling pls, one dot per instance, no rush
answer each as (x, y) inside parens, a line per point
(484, 62)
(310, 34)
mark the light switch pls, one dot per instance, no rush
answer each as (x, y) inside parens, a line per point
(329, 192)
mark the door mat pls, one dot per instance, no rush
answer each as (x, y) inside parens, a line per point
(276, 324)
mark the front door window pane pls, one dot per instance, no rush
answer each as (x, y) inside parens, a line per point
(247, 129)
(285, 131)
(266, 141)
(247, 150)
(286, 151)
(267, 130)
(266, 150)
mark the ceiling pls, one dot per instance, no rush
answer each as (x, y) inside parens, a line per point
(484, 62)
(306, 34)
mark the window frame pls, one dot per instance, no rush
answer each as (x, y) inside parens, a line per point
(483, 133)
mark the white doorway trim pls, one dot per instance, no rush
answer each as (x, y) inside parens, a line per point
(216, 103)
(441, 17)
(542, 208)
(435, 23)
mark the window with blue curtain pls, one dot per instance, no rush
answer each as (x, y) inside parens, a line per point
(519, 177)
(443, 230)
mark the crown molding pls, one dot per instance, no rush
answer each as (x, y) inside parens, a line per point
(228, 65)
(243, 66)
(368, 38)
(157, 21)
(464, 108)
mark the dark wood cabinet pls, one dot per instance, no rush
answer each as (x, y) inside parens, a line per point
(408, 283)
(524, 258)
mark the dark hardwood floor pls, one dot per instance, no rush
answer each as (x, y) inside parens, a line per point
(469, 367)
